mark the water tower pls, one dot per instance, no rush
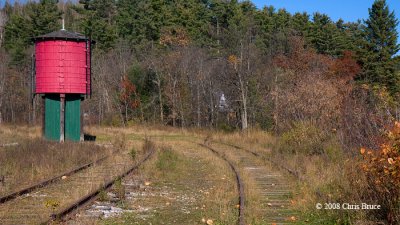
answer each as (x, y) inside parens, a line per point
(63, 79)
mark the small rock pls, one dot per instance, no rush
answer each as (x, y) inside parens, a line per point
(203, 220)
(210, 222)
(102, 207)
(63, 177)
(147, 183)
(111, 195)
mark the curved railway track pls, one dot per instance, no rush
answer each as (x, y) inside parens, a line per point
(270, 189)
(55, 198)
(239, 181)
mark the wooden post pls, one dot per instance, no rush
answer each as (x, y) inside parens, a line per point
(62, 118)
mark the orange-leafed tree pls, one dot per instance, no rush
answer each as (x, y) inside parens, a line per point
(382, 168)
(128, 96)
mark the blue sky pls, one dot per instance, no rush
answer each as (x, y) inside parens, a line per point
(348, 10)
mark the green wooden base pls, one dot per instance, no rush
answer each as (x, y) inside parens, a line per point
(52, 117)
(72, 118)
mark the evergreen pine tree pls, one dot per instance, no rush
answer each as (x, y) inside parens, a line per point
(99, 22)
(17, 37)
(300, 23)
(380, 45)
(45, 17)
(140, 21)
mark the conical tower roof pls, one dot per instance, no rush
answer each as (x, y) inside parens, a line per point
(62, 35)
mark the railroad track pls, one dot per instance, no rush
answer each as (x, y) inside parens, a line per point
(26, 190)
(56, 198)
(239, 182)
(272, 190)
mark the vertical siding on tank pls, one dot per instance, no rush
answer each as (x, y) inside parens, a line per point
(61, 67)
(52, 117)
(73, 117)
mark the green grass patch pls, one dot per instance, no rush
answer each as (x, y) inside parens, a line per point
(167, 160)
(133, 153)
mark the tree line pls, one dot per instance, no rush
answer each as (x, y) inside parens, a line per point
(170, 62)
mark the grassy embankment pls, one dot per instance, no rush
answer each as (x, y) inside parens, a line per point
(32, 159)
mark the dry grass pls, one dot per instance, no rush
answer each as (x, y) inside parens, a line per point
(328, 177)
(14, 133)
(35, 159)
(254, 139)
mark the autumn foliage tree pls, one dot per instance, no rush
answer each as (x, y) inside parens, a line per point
(382, 168)
(128, 97)
(311, 87)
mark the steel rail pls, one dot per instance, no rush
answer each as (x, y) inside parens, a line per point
(239, 181)
(93, 195)
(13, 195)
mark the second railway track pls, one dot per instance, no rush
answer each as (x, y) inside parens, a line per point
(266, 191)
(58, 198)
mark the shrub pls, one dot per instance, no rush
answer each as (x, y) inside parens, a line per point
(226, 127)
(167, 160)
(382, 168)
(119, 189)
(133, 153)
(102, 196)
(112, 120)
(305, 139)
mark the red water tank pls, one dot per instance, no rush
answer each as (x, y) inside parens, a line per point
(62, 63)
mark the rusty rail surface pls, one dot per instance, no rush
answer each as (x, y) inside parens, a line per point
(93, 195)
(46, 182)
(239, 181)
